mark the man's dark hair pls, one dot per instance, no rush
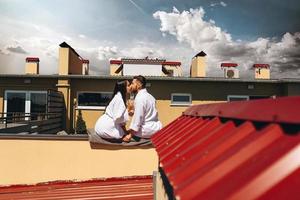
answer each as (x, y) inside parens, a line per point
(141, 79)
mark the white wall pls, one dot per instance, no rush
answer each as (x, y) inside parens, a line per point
(139, 69)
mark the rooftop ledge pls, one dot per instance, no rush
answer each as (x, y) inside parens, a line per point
(32, 159)
(108, 77)
(44, 137)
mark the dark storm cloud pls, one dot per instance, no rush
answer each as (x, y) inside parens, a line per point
(16, 49)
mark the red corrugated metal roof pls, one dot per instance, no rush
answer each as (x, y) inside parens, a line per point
(229, 64)
(134, 188)
(236, 150)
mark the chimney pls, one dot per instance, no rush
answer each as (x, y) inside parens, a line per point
(262, 71)
(230, 70)
(69, 62)
(85, 67)
(32, 65)
(116, 67)
(198, 67)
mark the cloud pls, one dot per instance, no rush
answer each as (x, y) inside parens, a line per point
(221, 3)
(105, 53)
(16, 49)
(4, 52)
(99, 56)
(82, 36)
(189, 27)
(34, 40)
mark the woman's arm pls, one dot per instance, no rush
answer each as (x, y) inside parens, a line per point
(119, 110)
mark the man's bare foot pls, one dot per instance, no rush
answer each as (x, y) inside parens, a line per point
(127, 138)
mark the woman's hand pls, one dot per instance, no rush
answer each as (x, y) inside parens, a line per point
(127, 137)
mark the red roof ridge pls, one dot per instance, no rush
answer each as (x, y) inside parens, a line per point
(85, 61)
(32, 59)
(261, 66)
(229, 64)
(144, 61)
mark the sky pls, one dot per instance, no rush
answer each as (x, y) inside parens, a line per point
(244, 32)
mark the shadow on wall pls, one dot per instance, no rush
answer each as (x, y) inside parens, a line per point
(117, 147)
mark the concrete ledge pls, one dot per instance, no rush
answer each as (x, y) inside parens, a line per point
(4, 136)
(31, 161)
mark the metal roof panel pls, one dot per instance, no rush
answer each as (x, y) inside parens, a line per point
(233, 150)
(129, 188)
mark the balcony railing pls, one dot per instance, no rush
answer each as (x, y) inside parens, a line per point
(31, 123)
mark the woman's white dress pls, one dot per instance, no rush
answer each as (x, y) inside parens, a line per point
(116, 115)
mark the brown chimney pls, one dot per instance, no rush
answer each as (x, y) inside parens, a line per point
(32, 65)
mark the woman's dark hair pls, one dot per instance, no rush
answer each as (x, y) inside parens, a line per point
(121, 86)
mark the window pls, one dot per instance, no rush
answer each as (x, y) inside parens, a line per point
(181, 99)
(259, 97)
(237, 97)
(93, 100)
(18, 102)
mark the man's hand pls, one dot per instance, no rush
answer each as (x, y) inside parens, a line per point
(130, 107)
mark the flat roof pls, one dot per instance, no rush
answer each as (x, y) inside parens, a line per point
(212, 79)
(122, 188)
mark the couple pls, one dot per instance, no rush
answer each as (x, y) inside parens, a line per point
(112, 124)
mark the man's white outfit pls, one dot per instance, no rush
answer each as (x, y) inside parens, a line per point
(145, 119)
(116, 115)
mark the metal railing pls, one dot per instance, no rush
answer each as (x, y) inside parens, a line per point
(38, 122)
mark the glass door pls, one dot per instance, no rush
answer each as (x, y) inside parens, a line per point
(15, 106)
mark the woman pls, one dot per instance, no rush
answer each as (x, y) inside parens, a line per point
(111, 125)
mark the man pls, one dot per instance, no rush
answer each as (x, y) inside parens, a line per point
(145, 118)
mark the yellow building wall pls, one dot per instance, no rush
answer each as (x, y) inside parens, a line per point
(35, 161)
(167, 113)
(63, 86)
(113, 68)
(262, 73)
(89, 116)
(32, 68)
(198, 68)
(63, 61)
